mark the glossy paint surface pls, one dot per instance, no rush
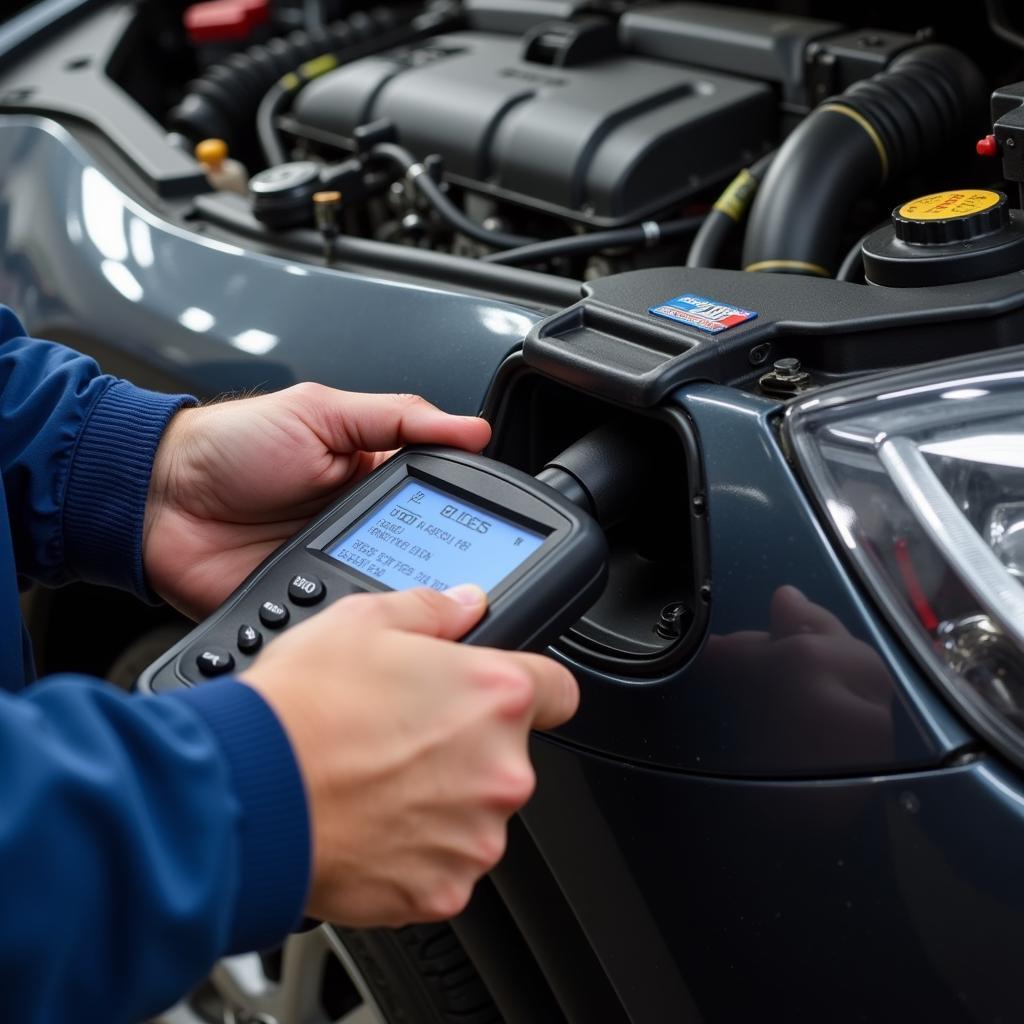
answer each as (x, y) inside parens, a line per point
(82, 260)
(883, 899)
(795, 676)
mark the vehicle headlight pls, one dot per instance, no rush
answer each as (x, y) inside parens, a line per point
(922, 477)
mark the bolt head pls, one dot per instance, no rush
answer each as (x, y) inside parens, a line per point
(787, 367)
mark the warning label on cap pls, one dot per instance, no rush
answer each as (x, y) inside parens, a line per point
(950, 205)
(704, 314)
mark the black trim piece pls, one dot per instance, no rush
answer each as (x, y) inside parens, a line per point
(500, 409)
(503, 959)
(71, 78)
(553, 933)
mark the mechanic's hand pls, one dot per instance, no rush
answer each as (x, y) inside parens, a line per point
(233, 481)
(413, 749)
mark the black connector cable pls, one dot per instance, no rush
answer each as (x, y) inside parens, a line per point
(280, 96)
(604, 471)
(729, 211)
(519, 249)
(999, 22)
(313, 15)
(266, 122)
(648, 233)
(418, 175)
(852, 267)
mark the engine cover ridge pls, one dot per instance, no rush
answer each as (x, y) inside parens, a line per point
(607, 143)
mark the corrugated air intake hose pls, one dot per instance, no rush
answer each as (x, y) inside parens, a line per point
(879, 129)
(222, 102)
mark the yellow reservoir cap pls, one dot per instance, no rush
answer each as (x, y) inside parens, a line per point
(962, 202)
(211, 152)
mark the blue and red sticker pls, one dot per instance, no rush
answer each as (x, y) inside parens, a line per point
(704, 314)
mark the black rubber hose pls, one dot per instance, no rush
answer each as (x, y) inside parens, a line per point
(543, 291)
(646, 234)
(710, 239)
(999, 22)
(223, 101)
(852, 267)
(729, 210)
(313, 15)
(266, 122)
(414, 170)
(907, 115)
(794, 226)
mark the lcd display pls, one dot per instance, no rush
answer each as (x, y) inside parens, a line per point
(420, 536)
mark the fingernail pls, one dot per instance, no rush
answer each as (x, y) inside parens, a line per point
(468, 594)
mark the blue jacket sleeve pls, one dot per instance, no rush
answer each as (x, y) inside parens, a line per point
(140, 839)
(76, 449)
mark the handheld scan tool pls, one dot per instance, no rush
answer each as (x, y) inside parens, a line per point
(428, 517)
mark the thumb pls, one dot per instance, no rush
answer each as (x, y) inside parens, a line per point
(447, 614)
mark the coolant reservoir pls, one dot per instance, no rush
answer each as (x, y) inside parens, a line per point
(222, 172)
(944, 238)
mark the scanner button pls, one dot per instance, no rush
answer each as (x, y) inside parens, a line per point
(306, 590)
(214, 661)
(273, 615)
(250, 639)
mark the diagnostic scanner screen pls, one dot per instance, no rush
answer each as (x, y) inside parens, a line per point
(419, 536)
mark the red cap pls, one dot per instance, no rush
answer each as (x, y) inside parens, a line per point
(987, 146)
(219, 21)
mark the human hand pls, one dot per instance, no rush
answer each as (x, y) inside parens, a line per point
(413, 749)
(233, 481)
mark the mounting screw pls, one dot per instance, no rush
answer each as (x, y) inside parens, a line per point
(787, 367)
(786, 377)
(673, 620)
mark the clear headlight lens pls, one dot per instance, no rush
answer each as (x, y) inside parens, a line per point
(922, 476)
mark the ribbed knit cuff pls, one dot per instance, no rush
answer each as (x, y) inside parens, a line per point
(105, 499)
(274, 841)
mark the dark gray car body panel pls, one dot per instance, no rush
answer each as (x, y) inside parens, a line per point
(884, 899)
(734, 847)
(848, 702)
(80, 259)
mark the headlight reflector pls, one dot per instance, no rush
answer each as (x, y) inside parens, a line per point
(922, 477)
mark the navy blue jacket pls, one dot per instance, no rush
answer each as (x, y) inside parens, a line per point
(140, 837)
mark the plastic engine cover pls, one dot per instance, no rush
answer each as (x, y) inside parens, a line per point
(608, 142)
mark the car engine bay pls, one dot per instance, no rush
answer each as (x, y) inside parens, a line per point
(520, 148)
(578, 140)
